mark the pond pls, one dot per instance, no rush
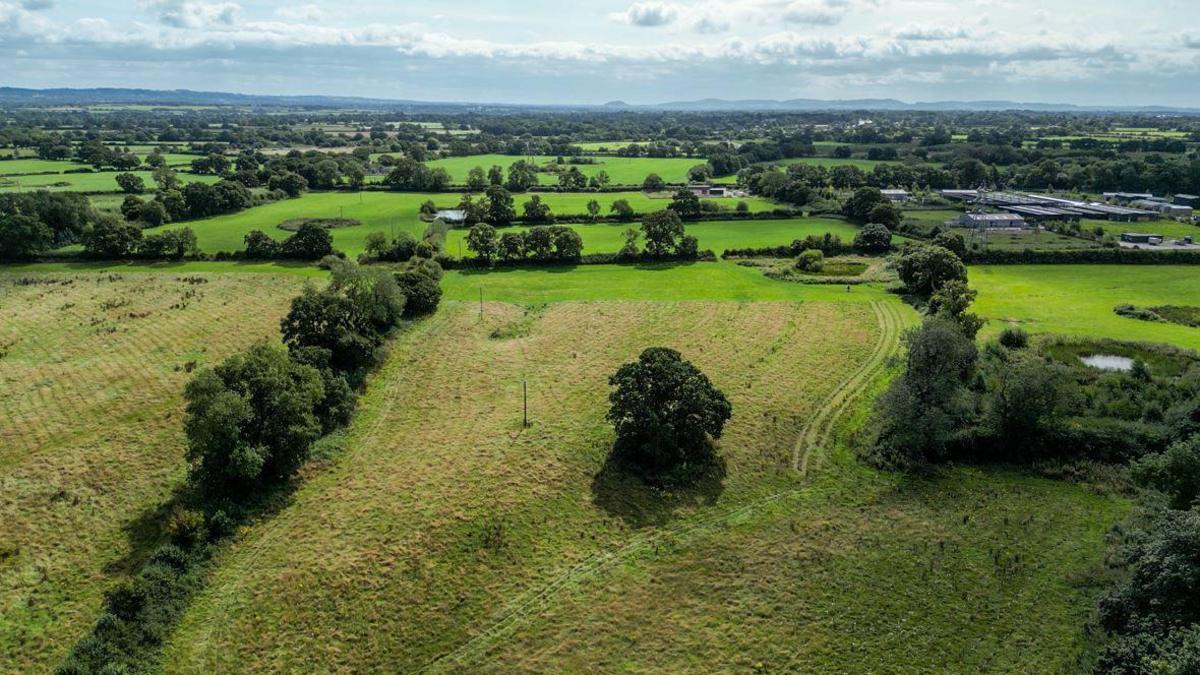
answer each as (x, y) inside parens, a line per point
(1108, 362)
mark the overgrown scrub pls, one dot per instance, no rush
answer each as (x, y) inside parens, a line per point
(250, 424)
(1181, 314)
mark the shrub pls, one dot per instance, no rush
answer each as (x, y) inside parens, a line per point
(260, 246)
(1175, 472)
(688, 248)
(664, 411)
(924, 269)
(1013, 338)
(112, 238)
(873, 238)
(186, 527)
(310, 242)
(332, 321)
(250, 420)
(916, 419)
(422, 292)
(1160, 592)
(811, 260)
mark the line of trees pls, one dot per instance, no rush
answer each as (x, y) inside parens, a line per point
(250, 424)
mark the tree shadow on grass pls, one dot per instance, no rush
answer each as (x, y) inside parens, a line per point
(149, 529)
(626, 495)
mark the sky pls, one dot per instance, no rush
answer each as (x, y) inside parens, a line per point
(1090, 52)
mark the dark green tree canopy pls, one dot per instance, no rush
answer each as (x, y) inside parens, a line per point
(664, 411)
(251, 419)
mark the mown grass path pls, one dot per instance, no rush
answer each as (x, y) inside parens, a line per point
(816, 434)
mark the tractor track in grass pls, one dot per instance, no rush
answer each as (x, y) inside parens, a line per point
(817, 433)
(819, 430)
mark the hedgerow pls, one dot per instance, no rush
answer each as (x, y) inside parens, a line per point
(250, 424)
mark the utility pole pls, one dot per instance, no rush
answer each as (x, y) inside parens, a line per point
(525, 411)
(481, 303)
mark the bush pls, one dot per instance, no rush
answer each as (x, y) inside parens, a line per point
(873, 238)
(1175, 472)
(811, 260)
(250, 420)
(422, 292)
(112, 238)
(1160, 592)
(916, 420)
(186, 527)
(330, 320)
(310, 242)
(1013, 338)
(924, 269)
(664, 411)
(260, 246)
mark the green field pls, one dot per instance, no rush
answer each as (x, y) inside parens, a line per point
(394, 212)
(1172, 229)
(92, 368)
(1079, 299)
(621, 170)
(485, 546)
(16, 167)
(716, 236)
(1039, 240)
(830, 162)
(101, 181)
(665, 282)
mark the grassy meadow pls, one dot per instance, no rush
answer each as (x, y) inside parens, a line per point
(100, 181)
(1079, 299)
(621, 170)
(92, 369)
(395, 212)
(432, 544)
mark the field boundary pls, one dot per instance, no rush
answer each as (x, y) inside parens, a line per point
(817, 432)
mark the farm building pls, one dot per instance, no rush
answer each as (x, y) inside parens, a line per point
(1126, 197)
(992, 220)
(1042, 207)
(708, 190)
(1188, 200)
(896, 195)
(1165, 208)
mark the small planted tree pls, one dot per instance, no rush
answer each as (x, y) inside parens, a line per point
(665, 413)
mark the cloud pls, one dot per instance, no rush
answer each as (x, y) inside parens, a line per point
(648, 14)
(709, 24)
(194, 14)
(37, 5)
(813, 13)
(917, 33)
(308, 12)
(1191, 41)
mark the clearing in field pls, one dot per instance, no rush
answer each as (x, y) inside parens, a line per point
(445, 536)
(1079, 299)
(92, 369)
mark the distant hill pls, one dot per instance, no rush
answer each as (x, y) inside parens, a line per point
(12, 96)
